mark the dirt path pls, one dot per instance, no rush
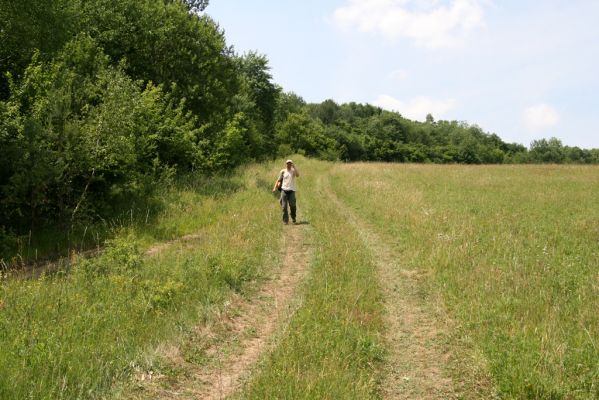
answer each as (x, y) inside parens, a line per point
(418, 365)
(33, 270)
(235, 341)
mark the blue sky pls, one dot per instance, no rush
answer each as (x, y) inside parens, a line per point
(522, 69)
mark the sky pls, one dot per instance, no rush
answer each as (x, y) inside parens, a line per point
(522, 69)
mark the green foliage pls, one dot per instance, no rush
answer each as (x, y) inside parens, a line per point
(231, 147)
(552, 151)
(7, 241)
(166, 133)
(121, 256)
(99, 99)
(547, 151)
(165, 44)
(74, 132)
(288, 103)
(80, 135)
(364, 132)
(306, 135)
(260, 92)
(41, 26)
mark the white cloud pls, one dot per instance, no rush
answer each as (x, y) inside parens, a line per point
(540, 117)
(416, 108)
(427, 22)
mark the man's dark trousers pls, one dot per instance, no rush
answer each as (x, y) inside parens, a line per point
(288, 197)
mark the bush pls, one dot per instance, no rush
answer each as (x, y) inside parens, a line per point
(81, 136)
(121, 256)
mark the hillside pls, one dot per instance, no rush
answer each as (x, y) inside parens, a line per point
(449, 281)
(103, 100)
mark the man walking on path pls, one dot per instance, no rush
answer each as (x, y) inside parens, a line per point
(286, 182)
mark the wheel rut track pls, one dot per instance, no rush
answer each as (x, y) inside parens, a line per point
(417, 363)
(252, 328)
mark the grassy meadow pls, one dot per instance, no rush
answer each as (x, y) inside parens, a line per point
(511, 251)
(514, 252)
(75, 332)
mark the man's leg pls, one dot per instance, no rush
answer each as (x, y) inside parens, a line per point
(284, 201)
(292, 205)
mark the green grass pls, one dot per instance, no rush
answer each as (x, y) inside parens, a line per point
(74, 334)
(332, 348)
(511, 250)
(514, 252)
(160, 214)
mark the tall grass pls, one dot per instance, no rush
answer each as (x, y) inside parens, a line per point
(158, 214)
(332, 348)
(513, 249)
(73, 333)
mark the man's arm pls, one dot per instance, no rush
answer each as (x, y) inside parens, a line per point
(296, 170)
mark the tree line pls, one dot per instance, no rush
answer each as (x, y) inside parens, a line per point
(100, 99)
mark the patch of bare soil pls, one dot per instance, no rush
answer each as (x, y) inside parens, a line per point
(421, 362)
(230, 346)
